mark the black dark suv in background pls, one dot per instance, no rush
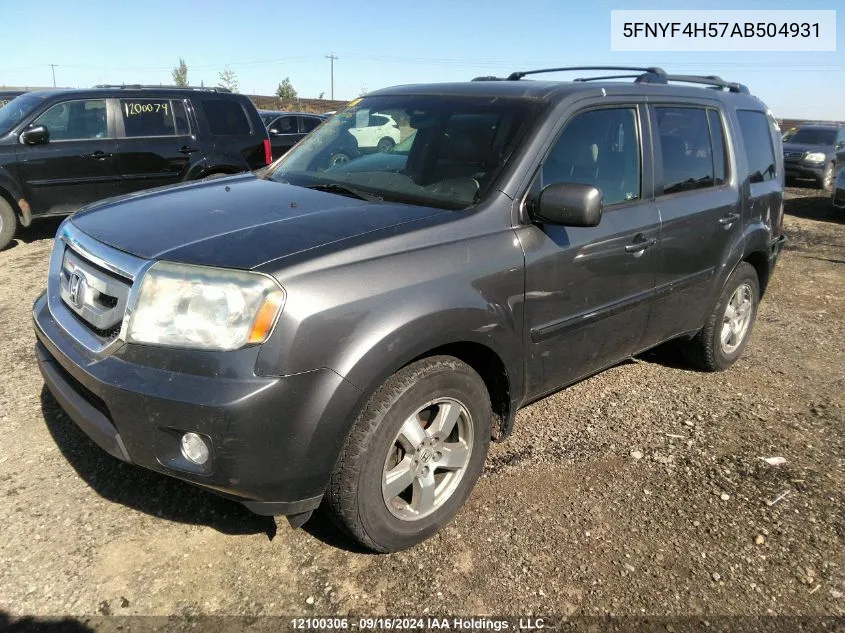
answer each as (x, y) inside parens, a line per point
(813, 153)
(61, 149)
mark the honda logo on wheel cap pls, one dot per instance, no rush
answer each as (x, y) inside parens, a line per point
(76, 289)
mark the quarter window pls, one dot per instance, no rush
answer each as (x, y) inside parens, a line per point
(153, 117)
(757, 140)
(75, 120)
(225, 117)
(686, 148)
(599, 148)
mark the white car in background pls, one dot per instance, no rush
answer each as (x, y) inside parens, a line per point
(381, 132)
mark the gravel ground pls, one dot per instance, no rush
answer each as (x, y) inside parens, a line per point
(639, 491)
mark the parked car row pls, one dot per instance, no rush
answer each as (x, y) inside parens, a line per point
(63, 149)
(353, 334)
(814, 152)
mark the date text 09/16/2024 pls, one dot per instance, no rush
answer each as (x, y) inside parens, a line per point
(426, 623)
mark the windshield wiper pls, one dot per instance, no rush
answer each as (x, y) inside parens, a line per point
(343, 190)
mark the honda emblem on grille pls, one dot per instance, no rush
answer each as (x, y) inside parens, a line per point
(76, 289)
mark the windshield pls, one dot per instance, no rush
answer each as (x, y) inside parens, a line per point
(16, 109)
(814, 136)
(268, 117)
(440, 151)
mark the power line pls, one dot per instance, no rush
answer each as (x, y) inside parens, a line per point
(53, 68)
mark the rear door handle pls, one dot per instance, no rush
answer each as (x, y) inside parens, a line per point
(99, 155)
(640, 246)
(187, 149)
(729, 219)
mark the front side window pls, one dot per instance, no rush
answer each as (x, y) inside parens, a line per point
(225, 117)
(685, 146)
(284, 125)
(453, 149)
(153, 117)
(599, 148)
(75, 120)
(757, 140)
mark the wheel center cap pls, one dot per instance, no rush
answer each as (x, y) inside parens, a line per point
(426, 455)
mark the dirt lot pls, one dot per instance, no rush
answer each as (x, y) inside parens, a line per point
(567, 519)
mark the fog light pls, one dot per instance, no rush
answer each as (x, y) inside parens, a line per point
(194, 448)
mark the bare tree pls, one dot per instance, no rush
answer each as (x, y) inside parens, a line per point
(228, 79)
(286, 90)
(180, 74)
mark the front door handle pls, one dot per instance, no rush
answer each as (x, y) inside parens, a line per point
(729, 219)
(187, 149)
(640, 245)
(100, 155)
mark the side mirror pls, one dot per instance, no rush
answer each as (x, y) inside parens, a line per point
(37, 135)
(569, 204)
(839, 145)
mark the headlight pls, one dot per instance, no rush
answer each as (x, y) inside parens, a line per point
(206, 308)
(814, 157)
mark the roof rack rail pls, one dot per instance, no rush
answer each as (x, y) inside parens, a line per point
(704, 80)
(161, 87)
(516, 76)
(606, 77)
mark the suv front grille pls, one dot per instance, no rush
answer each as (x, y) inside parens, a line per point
(793, 155)
(93, 294)
(88, 288)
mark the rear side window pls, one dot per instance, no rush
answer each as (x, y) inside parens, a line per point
(225, 117)
(759, 153)
(153, 117)
(309, 123)
(687, 149)
(599, 148)
(377, 120)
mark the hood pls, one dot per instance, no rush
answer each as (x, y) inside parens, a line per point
(805, 147)
(236, 222)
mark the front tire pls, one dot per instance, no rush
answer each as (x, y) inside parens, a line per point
(726, 332)
(413, 455)
(386, 145)
(826, 182)
(8, 224)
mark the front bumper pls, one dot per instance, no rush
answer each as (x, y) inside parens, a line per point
(804, 171)
(838, 197)
(273, 440)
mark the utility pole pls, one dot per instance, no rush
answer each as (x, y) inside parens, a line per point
(53, 68)
(332, 57)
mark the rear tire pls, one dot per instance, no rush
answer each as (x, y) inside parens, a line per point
(726, 332)
(8, 224)
(401, 477)
(386, 145)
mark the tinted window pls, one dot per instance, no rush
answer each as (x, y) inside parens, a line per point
(376, 120)
(153, 117)
(75, 120)
(599, 148)
(225, 116)
(717, 140)
(309, 123)
(814, 136)
(684, 140)
(757, 141)
(284, 125)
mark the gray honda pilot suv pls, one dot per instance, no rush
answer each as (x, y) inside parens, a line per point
(326, 332)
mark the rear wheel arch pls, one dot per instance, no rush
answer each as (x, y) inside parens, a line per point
(760, 262)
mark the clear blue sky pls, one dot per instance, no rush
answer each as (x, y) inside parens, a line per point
(378, 45)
